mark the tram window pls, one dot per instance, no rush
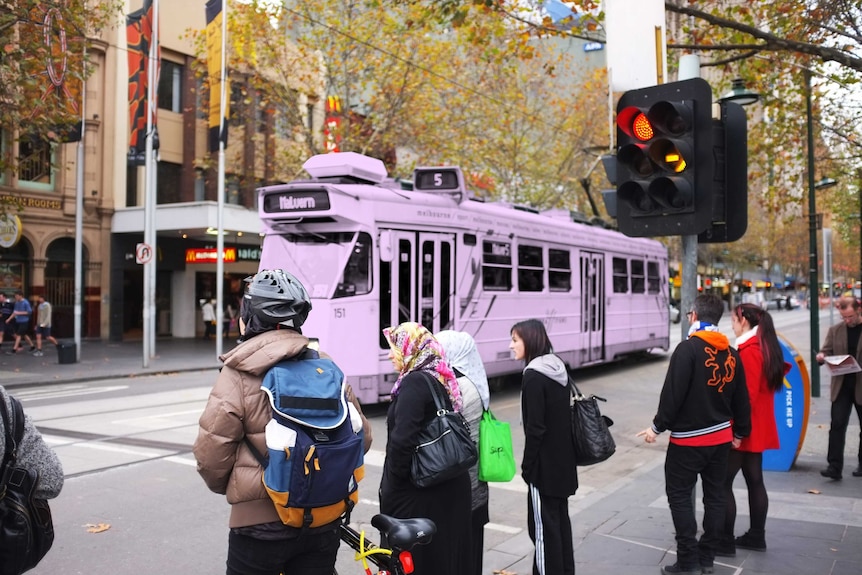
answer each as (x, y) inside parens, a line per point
(405, 288)
(653, 280)
(638, 283)
(559, 270)
(496, 266)
(356, 279)
(385, 301)
(496, 279)
(621, 275)
(469, 239)
(530, 268)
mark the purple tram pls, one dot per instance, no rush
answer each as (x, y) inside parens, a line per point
(373, 254)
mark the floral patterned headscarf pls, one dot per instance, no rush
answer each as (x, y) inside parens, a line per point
(417, 350)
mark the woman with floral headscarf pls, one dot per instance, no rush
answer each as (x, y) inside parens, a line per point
(419, 360)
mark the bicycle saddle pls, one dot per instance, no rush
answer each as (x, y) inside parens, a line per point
(404, 533)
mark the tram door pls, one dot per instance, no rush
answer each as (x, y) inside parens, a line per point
(421, 279)
(592, 304)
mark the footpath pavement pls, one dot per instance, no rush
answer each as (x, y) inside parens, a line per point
(107, 360)
(621, 525)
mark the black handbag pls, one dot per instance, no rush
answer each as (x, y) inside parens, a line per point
(26, 527)
(444, 449)
(590, 434)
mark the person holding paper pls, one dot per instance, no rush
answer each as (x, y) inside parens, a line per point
(846, 390)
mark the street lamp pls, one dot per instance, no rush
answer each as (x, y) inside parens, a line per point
(739, 94)
(813, 282)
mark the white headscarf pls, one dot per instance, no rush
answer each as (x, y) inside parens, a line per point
(461, 354)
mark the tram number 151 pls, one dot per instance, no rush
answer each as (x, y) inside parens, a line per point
(339, 312)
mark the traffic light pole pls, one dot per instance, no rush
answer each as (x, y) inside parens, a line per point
(689, 67)
(813, 283)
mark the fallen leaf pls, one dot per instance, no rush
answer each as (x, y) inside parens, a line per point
(97, 528)
(814, 491)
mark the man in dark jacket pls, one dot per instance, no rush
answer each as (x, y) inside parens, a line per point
(704, 403)
(846, 390)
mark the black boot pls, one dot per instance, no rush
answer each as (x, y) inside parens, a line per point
(752, 540)
(726, 547)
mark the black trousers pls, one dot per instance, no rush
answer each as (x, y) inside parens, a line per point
(307, 554)
(551, 531)
(682, 466)
(841, 408)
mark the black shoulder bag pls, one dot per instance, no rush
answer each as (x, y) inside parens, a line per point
(26, 527)
(444, 448)
(590, 434)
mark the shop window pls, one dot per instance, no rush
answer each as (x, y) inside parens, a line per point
(131, 186)
(638, 282)
(168, 183)
(559, 270)
(238, 103)
(621, 275)
(35, 164)
(200, 186)
(170, 87)
(262, 113)
(530, 268)
(202, 90)
(653, 279)
(231, 190)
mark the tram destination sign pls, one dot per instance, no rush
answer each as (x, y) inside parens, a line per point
(295, 201)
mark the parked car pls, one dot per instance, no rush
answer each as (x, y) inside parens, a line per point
(782, 302)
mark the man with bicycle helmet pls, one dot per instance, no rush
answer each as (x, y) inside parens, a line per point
(273, 309)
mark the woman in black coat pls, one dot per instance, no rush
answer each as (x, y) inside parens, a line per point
(418, 358)
(548, 465)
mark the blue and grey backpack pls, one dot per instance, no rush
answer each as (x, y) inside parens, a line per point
(315, 451)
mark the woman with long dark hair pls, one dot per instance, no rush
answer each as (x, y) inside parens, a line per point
(764, 367)
(548, 465)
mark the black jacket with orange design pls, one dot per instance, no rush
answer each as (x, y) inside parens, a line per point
(704, 400)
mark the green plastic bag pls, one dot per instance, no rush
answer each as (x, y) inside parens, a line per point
(496, 460)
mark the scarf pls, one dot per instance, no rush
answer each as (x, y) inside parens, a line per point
(416, 349)
(461, 354)
(701, 326)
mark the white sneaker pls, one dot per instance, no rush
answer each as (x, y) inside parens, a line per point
(38, 353)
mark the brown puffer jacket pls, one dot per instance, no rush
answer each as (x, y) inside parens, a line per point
(236, 408)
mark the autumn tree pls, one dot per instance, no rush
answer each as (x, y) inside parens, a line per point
(44, 60)
(514, 112)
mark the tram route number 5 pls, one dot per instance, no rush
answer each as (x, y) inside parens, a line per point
(143, 253)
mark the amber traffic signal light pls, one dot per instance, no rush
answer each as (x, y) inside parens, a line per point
(664, 173)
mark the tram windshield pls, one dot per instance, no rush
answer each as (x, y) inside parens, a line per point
(329, 265)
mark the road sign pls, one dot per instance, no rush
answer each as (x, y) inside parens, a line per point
(143, 253)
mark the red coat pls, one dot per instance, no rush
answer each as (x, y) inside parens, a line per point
(764, 433)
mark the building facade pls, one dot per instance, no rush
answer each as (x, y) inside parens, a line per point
(186, 215)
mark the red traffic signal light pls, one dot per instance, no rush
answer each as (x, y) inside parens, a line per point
(664, 159)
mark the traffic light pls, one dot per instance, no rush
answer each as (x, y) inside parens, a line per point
(730, 192)
(665, 159)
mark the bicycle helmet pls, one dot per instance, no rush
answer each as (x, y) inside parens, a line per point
(273, 298)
